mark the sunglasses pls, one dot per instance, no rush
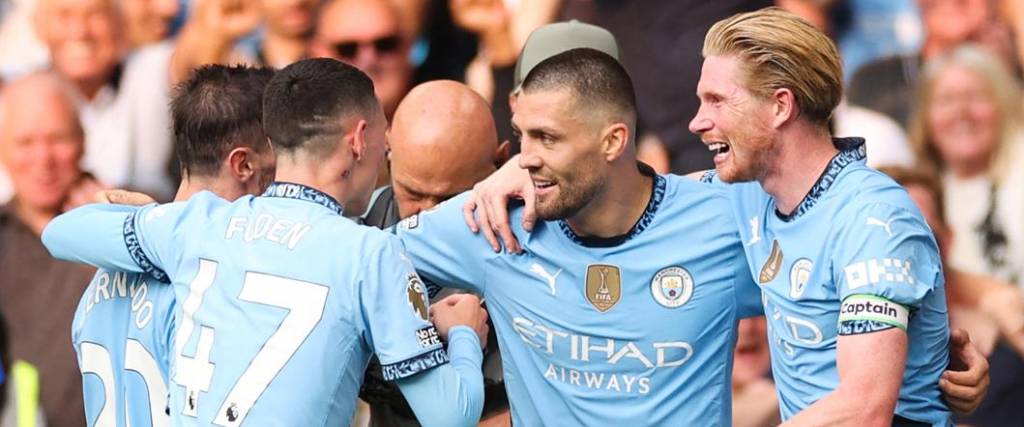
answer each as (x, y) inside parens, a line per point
(383, 45)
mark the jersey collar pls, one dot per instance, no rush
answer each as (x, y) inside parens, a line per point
(657, 194)
(290, 190)
(851, 150)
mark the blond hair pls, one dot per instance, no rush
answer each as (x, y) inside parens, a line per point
(1003, 91)
(777, 50)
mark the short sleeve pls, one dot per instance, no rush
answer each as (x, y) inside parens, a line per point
(886, 262)
(396, 314)
(443, 248)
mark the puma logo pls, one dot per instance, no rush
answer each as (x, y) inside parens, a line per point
(886, 225)
(540, 271)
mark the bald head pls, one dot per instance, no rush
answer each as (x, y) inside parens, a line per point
(41, 139)
(443, 140)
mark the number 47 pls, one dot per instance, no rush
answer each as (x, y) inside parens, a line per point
(305, 302)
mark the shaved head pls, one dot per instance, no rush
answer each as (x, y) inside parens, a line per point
(443, 140)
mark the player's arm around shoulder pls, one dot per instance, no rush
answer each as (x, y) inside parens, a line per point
(92, 234)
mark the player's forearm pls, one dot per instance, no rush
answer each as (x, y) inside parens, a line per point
(92, 234)
(450, 394)
(842, 408)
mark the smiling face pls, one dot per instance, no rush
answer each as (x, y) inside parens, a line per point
(82, 36)
(963, 120)
(560, 150)
(732, 121)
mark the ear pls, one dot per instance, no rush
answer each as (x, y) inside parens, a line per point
(615, 140)
(358, 140)
(502, 154)
(784, 107)
(241, 164)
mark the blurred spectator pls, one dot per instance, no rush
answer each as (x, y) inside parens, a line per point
(442, 141)
(988, 309)
(40, 144)
(148, 21)
(887, 85)
(215, 30)
(885, 140)
(866, 30)
(968, 129)
(21, 51)
(754, 400)
(367, 35)
(122, 105)
(660, 43)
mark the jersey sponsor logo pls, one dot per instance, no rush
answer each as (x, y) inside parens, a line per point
(539, 270)
(672, 286)
(410, 222)
(873, 308)
(591, 358)
(772, 265)
(886, 225)
(428, 337)
(874, 271)
(799, 275)
(417, 297)
(604, 286)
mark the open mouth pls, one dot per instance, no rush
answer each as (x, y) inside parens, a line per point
(543, 185)
(720, 149)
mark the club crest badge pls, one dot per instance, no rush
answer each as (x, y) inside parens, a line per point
(672, 286)
(799, 275)
(603, 286)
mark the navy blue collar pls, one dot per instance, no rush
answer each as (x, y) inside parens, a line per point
(657, 194)
(290, 190)
(851, 150)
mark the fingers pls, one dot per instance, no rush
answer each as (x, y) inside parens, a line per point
(498, 211)
(959, 338)
(485, 225)
(530, 209)
(467, 213)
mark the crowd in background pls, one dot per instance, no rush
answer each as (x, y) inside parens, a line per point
(933, 85)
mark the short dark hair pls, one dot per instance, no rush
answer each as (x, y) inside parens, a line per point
(305, 104)
(217, 109)
(595, 79)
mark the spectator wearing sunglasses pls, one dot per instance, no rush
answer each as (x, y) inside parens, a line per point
(367, 35)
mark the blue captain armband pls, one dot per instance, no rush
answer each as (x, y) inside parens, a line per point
(860, 314)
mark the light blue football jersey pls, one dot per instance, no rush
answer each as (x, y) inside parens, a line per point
(121, 332)
(280, 303)
(637, 330)
(856, 256)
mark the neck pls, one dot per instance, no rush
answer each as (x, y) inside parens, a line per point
(320, 176)
(965, 170)
(800, 156)
(35, 218)
(619, 205)
(281, 50)
(192, 184)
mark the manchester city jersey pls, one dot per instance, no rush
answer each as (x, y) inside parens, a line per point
(637, 330)
(855, 257)
(121, 332)
(280, 302)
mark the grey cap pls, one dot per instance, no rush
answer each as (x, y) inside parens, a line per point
(551, 39)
